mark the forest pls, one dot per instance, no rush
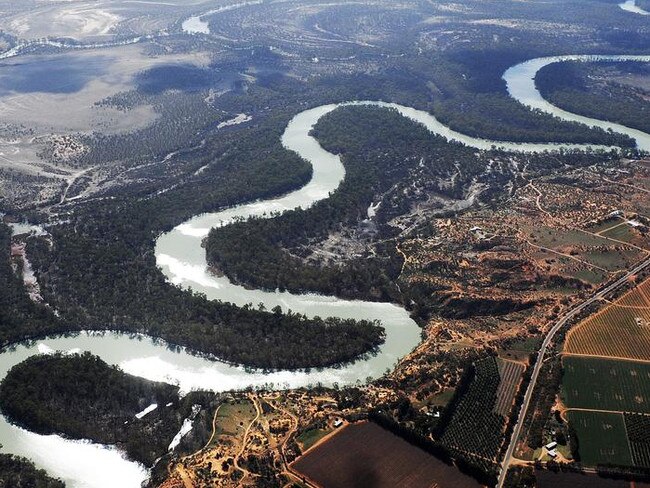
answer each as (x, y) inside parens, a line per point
(101, 271)
(16, 472)
(82, 397)
(372, 142)
(470, 96)
(20, 317)
(389, 159)
(598, 90)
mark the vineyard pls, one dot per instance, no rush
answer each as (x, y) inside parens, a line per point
(620, 330)
(638, 434)
(606, 384)
(476, 428)
(510, 373)
(602, 438)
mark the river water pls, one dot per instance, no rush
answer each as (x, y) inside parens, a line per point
(182, 259)
(520, 80)
(631, 6)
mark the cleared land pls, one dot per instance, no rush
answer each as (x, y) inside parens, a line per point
(364, 454)
(311, 437)
(607, 255)
(620, 330)
(606, 384)
(602, 438)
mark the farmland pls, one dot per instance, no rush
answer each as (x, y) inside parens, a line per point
(597, 252)
(510, 373)
(549, 479)
(365, 454)
(620, 330)
(602, 438)
(604, 384)
(476, 427)
(638, 434)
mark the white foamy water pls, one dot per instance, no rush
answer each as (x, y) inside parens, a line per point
(631, 6)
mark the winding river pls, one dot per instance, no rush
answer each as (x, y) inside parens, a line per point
(180, 256)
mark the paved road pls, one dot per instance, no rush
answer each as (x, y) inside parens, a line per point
(542, 353)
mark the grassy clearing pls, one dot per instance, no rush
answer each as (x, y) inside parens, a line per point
(602, 438)
(622, 233)
(233, 418)
(442, 398)
(521, 350)
(590, 275)
(311, 437)
(586, 247)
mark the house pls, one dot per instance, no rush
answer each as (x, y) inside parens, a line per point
(552, 453)
(338, 423)
(551, 445)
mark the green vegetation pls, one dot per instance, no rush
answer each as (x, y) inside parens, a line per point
(442, 398)
(233, 416)
(84, 398)
(20, 317)
(605, 384)
(602, 438)
(310, 437)
(472, 97)
(475, 428)
(16, 472)
(597, 91)
(101, 283)
(520, 477)
(373, 143)
(637, 427)
(387, 158)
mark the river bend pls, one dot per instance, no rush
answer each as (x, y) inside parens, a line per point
(182, 259)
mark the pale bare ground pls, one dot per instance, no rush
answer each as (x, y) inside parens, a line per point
(42, 112)
(85, 20)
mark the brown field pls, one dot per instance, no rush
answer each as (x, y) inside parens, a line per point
(365, 455)
(621, 330)
(510, 373)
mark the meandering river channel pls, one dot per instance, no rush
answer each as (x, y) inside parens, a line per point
(182, 259)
